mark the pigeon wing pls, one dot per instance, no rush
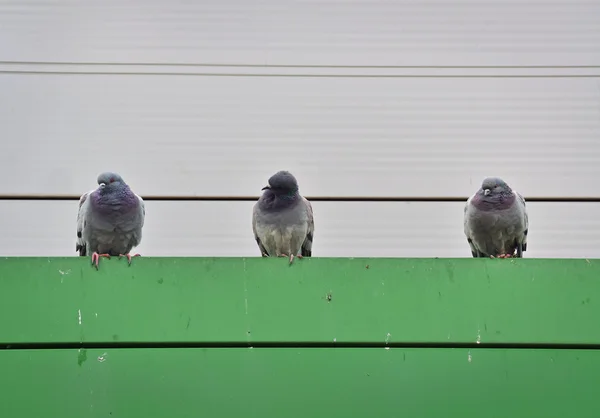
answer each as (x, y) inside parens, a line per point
(306, 249)
(81, 245)
(261, 247)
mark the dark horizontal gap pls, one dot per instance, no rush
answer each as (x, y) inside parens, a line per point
(172, 74)
(292, 344)
(311, 198)
(164, 64)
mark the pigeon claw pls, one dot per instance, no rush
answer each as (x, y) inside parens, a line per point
(96, 258)
(292, 256)
(129, 257)
(285, 255)
(504, 255)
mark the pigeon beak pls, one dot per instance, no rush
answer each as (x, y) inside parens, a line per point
(487, 191)
(102, 185)
(266, 188)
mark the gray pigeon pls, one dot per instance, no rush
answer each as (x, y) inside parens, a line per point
(110, 219)
(282, 220)
(496, 221)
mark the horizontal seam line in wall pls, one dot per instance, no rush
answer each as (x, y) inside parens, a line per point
(311, 198)
(294, 344)
(299, 75)
(296, 66)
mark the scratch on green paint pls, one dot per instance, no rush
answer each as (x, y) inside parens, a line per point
(81, 356)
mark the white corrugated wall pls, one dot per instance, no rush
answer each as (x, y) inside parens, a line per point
(357, 98)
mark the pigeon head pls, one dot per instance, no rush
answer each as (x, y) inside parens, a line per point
(494, 194)
(494, 186)
(282, 183)
(112, 191)
(108, 178)
(108, 181)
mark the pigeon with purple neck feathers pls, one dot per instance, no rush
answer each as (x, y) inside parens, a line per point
(110, 220)
(496, 221)
(282, 220)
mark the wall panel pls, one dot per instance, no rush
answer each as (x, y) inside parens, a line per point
(342, 229)
(192, 135)
(310, 32)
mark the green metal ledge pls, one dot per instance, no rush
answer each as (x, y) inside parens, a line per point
(383, 302)
(314, 300)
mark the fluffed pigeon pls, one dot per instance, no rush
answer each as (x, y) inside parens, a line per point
(496, 221)
(110, 219)
(282, 220)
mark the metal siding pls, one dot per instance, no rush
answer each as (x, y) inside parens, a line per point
(321, 32)
(350, 229)
(361, 131)
(194, 135)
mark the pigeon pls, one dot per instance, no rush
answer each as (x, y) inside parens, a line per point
(496, 221)
(110, 219)
(282, 219)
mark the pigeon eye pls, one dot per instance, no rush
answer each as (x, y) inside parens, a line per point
(112, 180)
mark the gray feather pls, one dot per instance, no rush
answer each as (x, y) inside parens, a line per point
(110, 218)
(496, 223)
(81, 246)
(282, 219)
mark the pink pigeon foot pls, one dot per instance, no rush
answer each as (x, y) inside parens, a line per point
(96, 258)
(129, 257)
(285, 255)
(292, 256)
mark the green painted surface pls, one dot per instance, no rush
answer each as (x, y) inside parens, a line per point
(320, 300)
(256, 299)
(273, 383)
